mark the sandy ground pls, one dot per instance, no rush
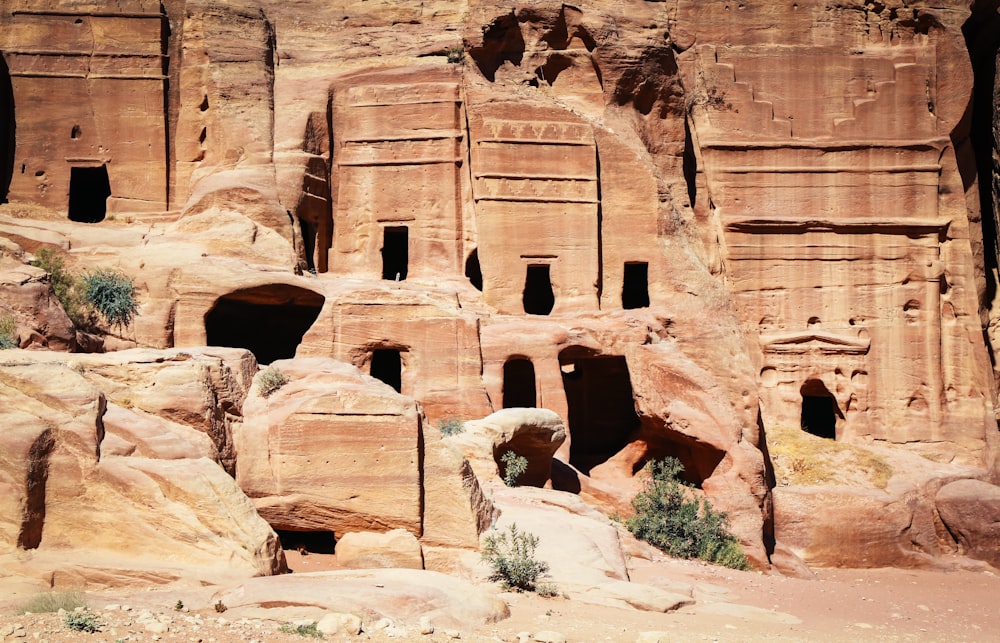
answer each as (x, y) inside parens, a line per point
(838, 605)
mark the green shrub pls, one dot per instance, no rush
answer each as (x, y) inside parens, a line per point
(271, 379)
(668, 518)
(66, 286)
(451, 426)
(83, 622)
(8, 332)
(111, 294)
(456, 55)
(302, 630)
(514, 466)
(511, 554)
(53, 602)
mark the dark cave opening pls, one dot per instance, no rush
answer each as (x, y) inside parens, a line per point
(819, 410)
(8, 130)
(89, 189)
(602, 415)
(635, 286)
(538, 296)
(519, 383)
(395, 252)
(387, 365)
(473, 271)
(269, 321)
(311, 542)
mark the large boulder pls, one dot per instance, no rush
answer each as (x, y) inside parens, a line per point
(970, 509)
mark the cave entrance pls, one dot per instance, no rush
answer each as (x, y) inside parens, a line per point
(89, 189)
(387, 365)
(519, 383)
(635, 286)
(538, 296)
(269, 321)
(8, 128)
(819, 410)
(602, 413)
(395, 252)
(307, 542)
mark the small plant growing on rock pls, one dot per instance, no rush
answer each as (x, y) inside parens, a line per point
(271, 379)
(65, 285)
(669, 519)
(8, 332)
(220, 607)
(456, 55)
(451, 426)
(514, 466)
(511, 554)
(111, 294)
(302, 630)
(83, 622)
(179, 605)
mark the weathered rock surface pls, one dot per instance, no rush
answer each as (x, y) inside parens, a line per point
(367, 550)
(970, 509)
(671, 224)
(533, 434)
(79, 514)
(26, 296)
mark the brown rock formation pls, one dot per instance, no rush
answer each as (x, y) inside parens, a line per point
(674, 225)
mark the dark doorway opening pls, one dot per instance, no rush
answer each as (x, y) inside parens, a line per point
(269, 321)
(473, 272)
(8, 129)
(519, 383)
(602, 413)
(311, 542)
(538, 296)
(89, 189)
(308, 244)
(387, 365)
(395, 252)
(819, 410)
(635, 286)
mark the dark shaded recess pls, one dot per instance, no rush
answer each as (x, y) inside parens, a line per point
(538, 470)
(308, 232)
(8, 130)
(33, 517)
(650, 83)
(635, 286)
(564, 477)
(699, 459)
(690, 164)
(602, 415)
(502, 42)
(519, 384)
(769, 539)
(555, 65)
(313, 542)
(473, 271)
(982, 38)
(89, 189)
(538, 296)
(395, 252)
(269, 321)
(387, 365)
(819, 410)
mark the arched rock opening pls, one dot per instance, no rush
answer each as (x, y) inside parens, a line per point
(699, 458)
(89, 189)
(602, 415)
(307, 542)
(519, 383)
(819, 410)
(269, 320)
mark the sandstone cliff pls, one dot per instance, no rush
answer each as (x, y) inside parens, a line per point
(680, 226)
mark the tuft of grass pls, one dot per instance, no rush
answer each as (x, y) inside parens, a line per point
(8, 332)
(271, 379)
(514, 466)
(302, 630)
(53, 602)
(800, 458)
(451, 426)
(112, 294)
(83, 622)
(220, 607)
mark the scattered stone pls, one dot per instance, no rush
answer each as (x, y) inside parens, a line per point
(426, 626)
(339, 623)
(549, 636)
